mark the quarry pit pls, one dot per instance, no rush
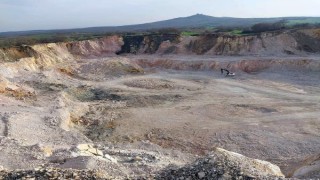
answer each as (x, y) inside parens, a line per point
(152, 104)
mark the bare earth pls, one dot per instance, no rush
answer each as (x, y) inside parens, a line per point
(272, 114)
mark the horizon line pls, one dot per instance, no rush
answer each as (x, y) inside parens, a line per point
(102, 26)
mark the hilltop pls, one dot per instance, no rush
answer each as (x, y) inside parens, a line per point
(194, 21)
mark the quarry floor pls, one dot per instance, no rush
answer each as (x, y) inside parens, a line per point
(270, 115)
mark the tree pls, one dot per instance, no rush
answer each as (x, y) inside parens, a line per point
(263, 27)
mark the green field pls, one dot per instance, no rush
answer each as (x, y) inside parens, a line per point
(315, 20)
(236, 32)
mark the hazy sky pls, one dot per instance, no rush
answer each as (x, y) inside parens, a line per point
(56, 14)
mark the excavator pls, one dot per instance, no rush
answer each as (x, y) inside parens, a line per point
(228, 72)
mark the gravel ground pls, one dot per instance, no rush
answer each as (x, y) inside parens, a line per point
(269, 115)
(50, 173)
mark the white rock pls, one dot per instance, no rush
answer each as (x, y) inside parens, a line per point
(248, 164)
(95, 151)
(107, 156)
(84, 147)
(201, 175)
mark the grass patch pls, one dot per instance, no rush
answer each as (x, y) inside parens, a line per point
(46, 38)
(303, 21)
(236, 32)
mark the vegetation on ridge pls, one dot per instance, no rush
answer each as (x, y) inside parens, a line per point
(189, 26)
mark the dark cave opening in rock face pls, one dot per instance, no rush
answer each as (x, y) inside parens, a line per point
(148, 44)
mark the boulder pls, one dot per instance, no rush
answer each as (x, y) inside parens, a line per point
(249, 165)
(84, 147)
(107, 156)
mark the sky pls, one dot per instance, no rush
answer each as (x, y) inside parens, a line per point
(18, 15)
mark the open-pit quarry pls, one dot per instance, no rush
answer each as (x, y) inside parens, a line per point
(158, 107)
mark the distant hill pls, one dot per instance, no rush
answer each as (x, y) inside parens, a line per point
(195, 21)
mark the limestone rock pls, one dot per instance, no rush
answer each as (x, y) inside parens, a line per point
(223, 164)
(247, 164)
(95, 151)
(47, 151)
(107, 156)
(84, 147)
(88, 150)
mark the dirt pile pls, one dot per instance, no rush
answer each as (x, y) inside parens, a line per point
(222, 164)
(140, 164)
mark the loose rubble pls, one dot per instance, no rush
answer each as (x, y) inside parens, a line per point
(222, 164)
(51, 173)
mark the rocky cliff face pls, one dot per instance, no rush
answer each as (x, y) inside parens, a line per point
(286, 43)
(94, 48)
(41, 56)
(80, 49)
(15, 53)
(300, 42)
(146, 44)
(248, 66)
(296, 42)
(277, 43)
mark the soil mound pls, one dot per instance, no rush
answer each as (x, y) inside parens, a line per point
(222, 164)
